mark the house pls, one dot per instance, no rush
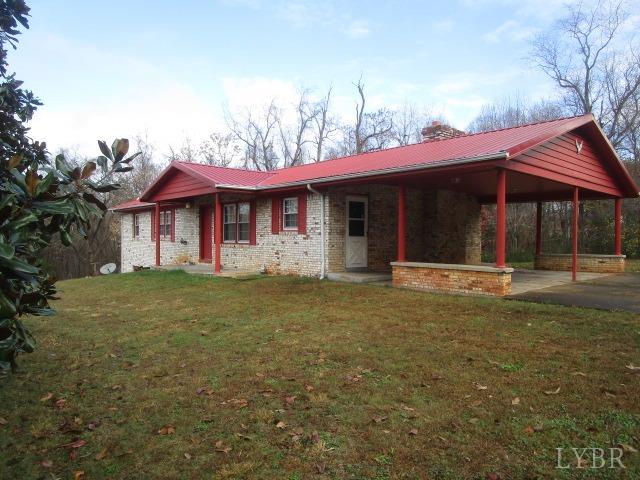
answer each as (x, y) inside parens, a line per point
(412, 211)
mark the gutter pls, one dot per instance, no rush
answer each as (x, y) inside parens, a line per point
(322, 230)
(372, 173)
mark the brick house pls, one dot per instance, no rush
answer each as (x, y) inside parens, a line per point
(412, 211)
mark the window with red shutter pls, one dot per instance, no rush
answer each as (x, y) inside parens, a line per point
(302, 213)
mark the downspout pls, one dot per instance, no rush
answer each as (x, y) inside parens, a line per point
(322, 229)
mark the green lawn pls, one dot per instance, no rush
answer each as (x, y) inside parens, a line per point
(166, 375)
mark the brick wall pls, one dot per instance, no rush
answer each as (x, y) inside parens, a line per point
(586, 263)
(441, 226)
(141, 251)
(437, 277)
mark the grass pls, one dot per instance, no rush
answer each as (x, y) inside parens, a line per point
(286, 378)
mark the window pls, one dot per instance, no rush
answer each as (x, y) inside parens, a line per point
(165, 225)
(290, 213)
(136, 225)
(243, 222)
(229, 230)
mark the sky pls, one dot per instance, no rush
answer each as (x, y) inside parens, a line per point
(166, 69)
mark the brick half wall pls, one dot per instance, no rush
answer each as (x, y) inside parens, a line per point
(586, 262)
(452, 278)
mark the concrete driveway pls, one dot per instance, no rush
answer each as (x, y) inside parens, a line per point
(610, 292)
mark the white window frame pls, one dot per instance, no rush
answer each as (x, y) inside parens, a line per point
(233, 222)
(136, 226)
(285, 213)
(248, 222)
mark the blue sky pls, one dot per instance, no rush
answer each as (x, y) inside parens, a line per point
(122, 68)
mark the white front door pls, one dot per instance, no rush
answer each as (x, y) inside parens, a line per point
(356, 238)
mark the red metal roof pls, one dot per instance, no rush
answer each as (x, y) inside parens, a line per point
(226, 175)
(493, 145)
(134, 204)
(509, 141)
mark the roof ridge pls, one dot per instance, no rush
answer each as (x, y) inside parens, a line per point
(539, 122)
(270, 172)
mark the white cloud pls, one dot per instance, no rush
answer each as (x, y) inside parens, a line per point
(511, 30)
(358, 29)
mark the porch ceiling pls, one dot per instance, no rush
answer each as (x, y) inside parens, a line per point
(482, 184)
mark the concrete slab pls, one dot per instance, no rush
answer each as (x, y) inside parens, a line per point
(608, 292)
(359, 277)
(526, 280)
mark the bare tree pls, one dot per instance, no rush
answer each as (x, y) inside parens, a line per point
(372, 131)
(581, 55)
(408, 122)
(256, 134)
(514, 111)
(187, 152)
(220, 149)
(324, 125)
(294, 138)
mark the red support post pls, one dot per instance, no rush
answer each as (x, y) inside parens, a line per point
(402, 223)
(501, 218)
(538, 228)
(217, 232)
(574, 236)
(156, 220)
(618, 226)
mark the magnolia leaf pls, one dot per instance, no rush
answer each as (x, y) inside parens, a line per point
(32, 180)
(105, 150)
(120, 148)
(88, 170)
(15, 160)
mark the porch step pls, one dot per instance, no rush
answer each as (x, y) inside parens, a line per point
(359, 277)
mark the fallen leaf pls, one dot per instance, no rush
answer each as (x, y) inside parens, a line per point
(315, 437)
(529, 429)
(47, 397)
(378, 419)
(479, 387)
(243, 436)
(46, 463)
(579, 374)
(627, 448)
(493, 476)
(413, 431)
(281, 424)
(77, 444)
(515, 401)
(167, 430)
(204, 333)
(476, 403)
(60, 403)
(102, 454)
(308, 388)
(552, 392)
(187, 456)
(221, 448)
(321, 467)
(3, 421)
(289, 400)
(632, 367)
(78, 475)
(93, 425)
(473, 420)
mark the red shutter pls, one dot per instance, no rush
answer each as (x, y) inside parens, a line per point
(153, 225)
(173, 225)
(302, 213)
(252, 222)
(275, 216)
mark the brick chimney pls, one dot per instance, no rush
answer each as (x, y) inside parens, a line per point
(438, 131)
